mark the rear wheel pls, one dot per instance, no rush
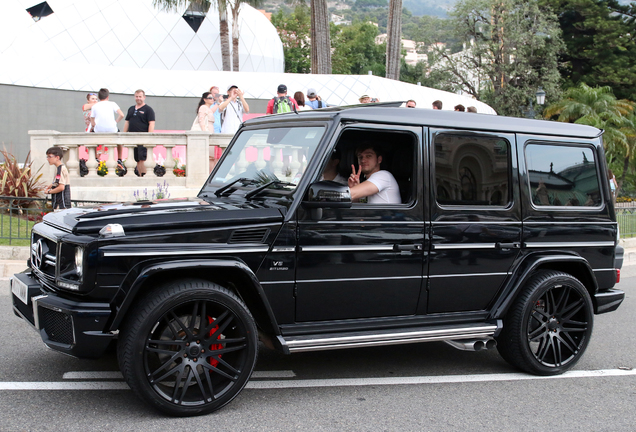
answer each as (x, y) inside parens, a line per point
(549, 326)
(188, 348)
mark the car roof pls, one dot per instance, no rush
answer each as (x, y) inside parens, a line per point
(390, 113)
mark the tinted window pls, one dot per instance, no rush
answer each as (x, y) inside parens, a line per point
(562, 175)
(472, 170)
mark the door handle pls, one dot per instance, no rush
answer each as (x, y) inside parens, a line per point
(411, 247)
(514, 245)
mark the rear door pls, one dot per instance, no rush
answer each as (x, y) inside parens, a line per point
(475, 218)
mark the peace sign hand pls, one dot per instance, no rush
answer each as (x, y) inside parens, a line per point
(354, 178)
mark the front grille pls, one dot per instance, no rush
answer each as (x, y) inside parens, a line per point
(43, 254)
(253, 235)
(57, 325)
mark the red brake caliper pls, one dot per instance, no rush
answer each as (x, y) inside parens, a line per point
(214, 362)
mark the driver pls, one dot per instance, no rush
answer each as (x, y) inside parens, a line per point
(380, 186)
(331, 170)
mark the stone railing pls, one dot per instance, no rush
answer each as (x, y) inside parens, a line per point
(112, 187)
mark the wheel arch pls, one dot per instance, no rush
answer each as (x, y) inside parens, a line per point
(231, 274)
(574, 265)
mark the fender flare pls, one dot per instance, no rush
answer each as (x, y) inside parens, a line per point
(130, 289)
(523, 272)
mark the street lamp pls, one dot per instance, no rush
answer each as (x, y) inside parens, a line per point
(540, 94)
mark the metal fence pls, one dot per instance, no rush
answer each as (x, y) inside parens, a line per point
(626, 218)
(18, 215)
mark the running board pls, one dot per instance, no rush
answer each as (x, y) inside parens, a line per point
(332, 341)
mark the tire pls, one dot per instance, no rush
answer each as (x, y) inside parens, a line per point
(549, 326)
(177, 365)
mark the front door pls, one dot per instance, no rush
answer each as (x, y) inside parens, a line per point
(365, 261)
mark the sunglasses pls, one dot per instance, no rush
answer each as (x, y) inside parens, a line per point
(92, 94)
(210, 97)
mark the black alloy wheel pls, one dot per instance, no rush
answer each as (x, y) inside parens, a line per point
(189, 348)
(549, 327)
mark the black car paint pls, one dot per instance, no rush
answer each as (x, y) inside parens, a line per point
(284, 283)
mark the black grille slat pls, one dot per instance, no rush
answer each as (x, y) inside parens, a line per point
(57, 325)
(255, 235)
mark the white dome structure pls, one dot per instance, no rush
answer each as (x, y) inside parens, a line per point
(132, 34)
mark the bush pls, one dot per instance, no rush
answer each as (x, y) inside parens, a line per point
(19, 181)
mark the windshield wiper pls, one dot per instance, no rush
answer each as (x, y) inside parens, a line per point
(261, 188)
(220, 191)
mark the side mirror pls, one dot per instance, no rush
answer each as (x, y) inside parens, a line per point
(327, 194)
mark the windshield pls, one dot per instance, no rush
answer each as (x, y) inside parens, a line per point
(277, 155)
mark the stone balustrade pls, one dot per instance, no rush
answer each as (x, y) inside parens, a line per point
(115, 188)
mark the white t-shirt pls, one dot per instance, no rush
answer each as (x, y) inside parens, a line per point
(388, 189)
(233, 117)
(104, 113)
(338, 179)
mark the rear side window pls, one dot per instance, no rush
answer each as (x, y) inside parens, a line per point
(562, 175)
(472, 170)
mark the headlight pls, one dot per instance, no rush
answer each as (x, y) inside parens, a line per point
(79, 261)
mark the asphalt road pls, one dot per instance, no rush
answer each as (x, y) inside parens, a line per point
(420, 387)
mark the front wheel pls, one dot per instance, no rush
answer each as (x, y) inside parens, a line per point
(188, 348)
(548, 328)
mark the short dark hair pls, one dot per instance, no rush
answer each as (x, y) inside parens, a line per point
(55, 151)
(140, 91)
(460, 107)
(471, 109)
(103, 94)
(411, 100)
(438, 104)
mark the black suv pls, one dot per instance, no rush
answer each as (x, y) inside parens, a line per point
(505, 235)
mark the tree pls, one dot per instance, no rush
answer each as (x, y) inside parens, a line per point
(320, 38)
(235, 7)
(598, 107)
(203, 6)
(355, 50)
(394, 40)
(600, 39)
(510, 50)
(294, 32)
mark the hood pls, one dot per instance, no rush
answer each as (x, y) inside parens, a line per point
(159, 214)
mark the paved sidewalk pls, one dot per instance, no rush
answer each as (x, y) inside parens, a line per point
(13, 258)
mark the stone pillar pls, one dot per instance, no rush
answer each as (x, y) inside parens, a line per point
(197, 155)
(150, 160)
(91, 163)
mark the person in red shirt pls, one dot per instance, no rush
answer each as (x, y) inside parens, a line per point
(282, 98)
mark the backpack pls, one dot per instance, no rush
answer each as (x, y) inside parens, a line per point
(283, 105)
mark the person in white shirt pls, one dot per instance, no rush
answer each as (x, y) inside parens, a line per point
(232, 110)
(103, 114)
(380, 186)
(331, 170)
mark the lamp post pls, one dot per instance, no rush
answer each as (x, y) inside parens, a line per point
(540, 95)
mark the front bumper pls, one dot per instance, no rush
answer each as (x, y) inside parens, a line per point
(71, 327)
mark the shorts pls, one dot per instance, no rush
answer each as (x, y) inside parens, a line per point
(140, 153)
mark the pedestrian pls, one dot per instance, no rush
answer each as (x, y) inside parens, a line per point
(411, 103)
(103, 112)
(218, 98)
(232, 110)
(364, 99)
(437, 105)
(313, 100)
(60, 188)
(613, 184)
(281, 103)
(459, 108)
(471, 109)
(91, 99)
(140, 118)
(299, 97)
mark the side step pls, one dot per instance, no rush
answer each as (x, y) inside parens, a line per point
(331, 341)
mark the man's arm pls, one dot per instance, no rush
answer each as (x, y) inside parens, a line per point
(126, 126)
(120, 116)
(151, 126)
(246, 107)
(362, 190)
